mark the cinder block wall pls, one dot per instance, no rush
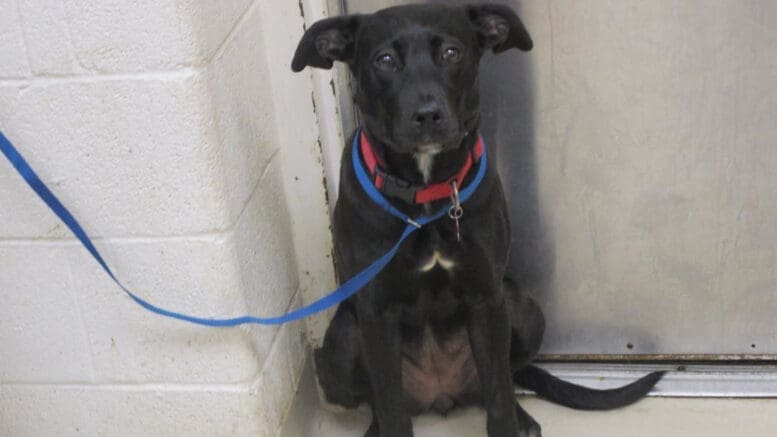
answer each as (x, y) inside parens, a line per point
(176, 133)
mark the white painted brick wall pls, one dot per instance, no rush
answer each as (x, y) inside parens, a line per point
(175, 131)
(12, 51)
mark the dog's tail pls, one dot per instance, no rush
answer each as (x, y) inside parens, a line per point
(578, 397)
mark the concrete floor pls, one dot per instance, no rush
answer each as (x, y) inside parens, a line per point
(651, 417)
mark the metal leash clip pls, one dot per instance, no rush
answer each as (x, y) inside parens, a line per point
(456, 211)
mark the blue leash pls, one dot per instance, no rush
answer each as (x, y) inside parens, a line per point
(346, 290)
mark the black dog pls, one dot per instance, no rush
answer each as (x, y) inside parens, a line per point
(440, 326)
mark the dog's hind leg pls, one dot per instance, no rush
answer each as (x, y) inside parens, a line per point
(339, 371)
(527, 324)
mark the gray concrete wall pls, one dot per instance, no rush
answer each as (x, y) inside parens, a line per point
(638, 146)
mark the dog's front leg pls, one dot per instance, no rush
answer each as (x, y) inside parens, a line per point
(489, 336)
(382, 354)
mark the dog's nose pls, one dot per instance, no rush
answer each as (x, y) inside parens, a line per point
(428, 115)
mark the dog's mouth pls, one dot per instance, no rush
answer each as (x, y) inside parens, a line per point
(432, 143)
(427, 143)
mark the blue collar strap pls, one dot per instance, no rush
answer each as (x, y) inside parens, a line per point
(367, 185)
(346, 290)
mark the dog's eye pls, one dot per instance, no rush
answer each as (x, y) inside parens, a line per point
(387, 61)
(452, 55)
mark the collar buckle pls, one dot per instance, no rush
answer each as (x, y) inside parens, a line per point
(396, 187)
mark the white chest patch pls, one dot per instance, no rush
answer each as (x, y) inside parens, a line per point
(425, 160)
(436, 259)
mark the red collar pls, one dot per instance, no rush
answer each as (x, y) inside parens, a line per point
(396, 187)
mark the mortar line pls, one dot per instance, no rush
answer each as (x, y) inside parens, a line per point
(150, 386)
(203, 236)
(52, 80)
(23, 34)
(71, 42)
(230, 35)
(297, 293)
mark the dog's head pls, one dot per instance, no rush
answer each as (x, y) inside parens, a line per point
(415, 67)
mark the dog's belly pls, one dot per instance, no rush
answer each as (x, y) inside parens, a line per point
(439, 374)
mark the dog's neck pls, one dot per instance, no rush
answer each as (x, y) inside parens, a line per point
(424, 168)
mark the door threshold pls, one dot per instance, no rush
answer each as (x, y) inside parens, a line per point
(681, 380)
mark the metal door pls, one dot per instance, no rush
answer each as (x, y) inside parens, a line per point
(638, 147)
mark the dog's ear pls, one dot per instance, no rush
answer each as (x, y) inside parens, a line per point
(328, 40)
(499, 28)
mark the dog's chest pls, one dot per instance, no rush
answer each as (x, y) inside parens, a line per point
(437, 259)
(432, 252)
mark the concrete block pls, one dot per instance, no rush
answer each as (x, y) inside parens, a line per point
(48, 37)
(256, 275)
(129, 157)
(114, 36)
(57, 292)
(265, 257)
(66, 322)
(221, 118)
(13, 54)
(239, 90)
(128, 410)
(280, 374)
(255, 407)
(41, 330)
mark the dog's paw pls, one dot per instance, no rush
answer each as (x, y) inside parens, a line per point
(525, 428)
(530, 430)
(400, 431)
(373, 429)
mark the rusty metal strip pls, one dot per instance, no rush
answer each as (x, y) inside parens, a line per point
(659, 358)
